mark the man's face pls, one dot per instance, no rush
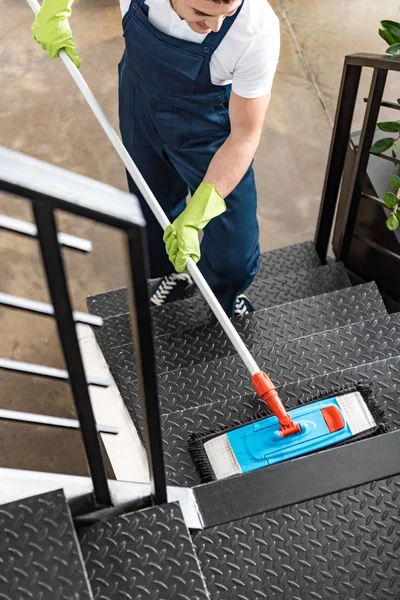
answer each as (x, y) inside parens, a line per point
(204, 16)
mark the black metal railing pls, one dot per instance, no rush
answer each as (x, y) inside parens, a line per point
(49, 188)
(381, 65)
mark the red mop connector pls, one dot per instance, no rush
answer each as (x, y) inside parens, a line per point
(267, 392)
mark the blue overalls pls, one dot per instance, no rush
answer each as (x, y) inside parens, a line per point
(173, 120)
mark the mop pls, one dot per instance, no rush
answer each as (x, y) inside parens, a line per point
(267, 440)
(351, 414)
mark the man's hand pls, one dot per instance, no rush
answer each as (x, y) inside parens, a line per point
(232, 160)
(182, 237)
(52, 31)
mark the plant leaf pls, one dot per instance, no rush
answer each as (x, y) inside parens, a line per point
(393, 27)
(389, 126)
(389, 39)
(394, 150)
(382, 145)
(398, 100)
(394, 181)
(391, 200)
(392, 223)
(394, 50)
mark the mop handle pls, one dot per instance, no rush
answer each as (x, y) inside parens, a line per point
(154, 206)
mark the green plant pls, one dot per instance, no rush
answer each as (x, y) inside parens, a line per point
(390, 32)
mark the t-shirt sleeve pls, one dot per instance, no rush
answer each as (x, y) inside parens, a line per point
(124, 4)
(255, 69)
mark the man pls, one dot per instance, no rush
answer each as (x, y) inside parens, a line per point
(194, 86)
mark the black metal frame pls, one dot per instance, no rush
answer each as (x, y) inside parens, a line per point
(353, 65)
(50, 188)
(322, 473)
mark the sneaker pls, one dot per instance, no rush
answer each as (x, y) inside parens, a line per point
(243, 306)
(169, 288)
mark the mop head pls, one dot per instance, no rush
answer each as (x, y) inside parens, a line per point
(351, 414)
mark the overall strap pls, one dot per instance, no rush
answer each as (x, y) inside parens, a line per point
(214, 38)
(142, 4)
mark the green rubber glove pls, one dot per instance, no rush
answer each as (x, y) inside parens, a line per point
(182, 237)
(52, 31)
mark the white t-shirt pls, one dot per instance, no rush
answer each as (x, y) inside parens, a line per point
(248, 55)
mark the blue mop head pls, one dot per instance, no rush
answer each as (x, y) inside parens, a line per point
(350, 414)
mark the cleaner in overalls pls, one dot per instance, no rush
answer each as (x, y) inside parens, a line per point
(194, 85)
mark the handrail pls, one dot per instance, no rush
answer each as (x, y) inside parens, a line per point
(353, 65)
(49, 188)
(387, 62)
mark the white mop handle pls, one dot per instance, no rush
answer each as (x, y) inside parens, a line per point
(154, 206)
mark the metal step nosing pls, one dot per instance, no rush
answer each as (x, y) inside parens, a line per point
(301, 250)
(260, 318)
(384, 375)
(319, 474)
(211, 344)
(228, 376)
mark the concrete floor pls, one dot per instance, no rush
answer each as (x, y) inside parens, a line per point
(42, 114)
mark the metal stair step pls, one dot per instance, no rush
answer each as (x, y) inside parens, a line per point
(40, 556)
(288, 258)
(291, 360)
(342, 545)
(146, 554)
(177, 427)
(263, 293)
(285, 362)
(266, 327)
(182, 315)
(179, 316)
(273, 262)
(296, 285)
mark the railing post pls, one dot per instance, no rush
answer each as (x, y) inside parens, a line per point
(362, 157)
(145, 361)
(57, 283)
(337, 153)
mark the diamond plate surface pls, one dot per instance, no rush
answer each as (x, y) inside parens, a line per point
(178, 316)
(296, 285)
(263, 293)
(177, 427)
(39, 554)
(285, 362)
(146, 554)
(218, 394)
(344, 546)
(109, 304)
(288, 258)
(282, 260)
(267, 327)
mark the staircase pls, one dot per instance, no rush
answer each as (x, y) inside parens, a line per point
(316, 327)
(316, 333)
(322, 526)
(40, 555)
(312, 332)
(146, 554)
